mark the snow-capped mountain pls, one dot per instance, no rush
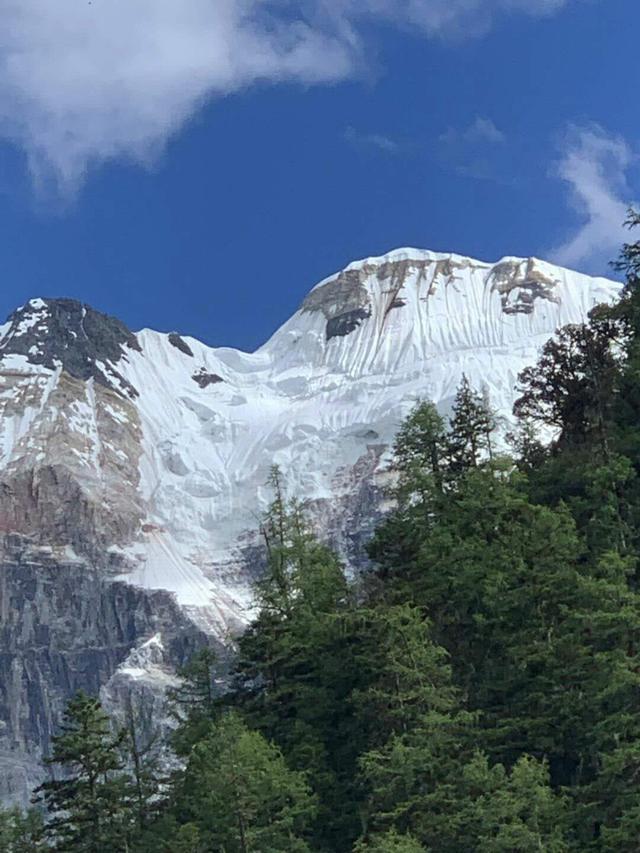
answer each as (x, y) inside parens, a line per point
(138, 462)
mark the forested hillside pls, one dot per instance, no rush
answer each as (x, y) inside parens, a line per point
(477, 692)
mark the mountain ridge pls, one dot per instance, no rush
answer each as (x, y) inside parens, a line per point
(365, 344)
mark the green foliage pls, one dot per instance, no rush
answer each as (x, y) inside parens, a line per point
(420, 451)
(389, 842)
(411, 676)
(516, 811)
(240, 796)
(571, 388)
(193, 701)
(21, 833)
(629, 260)
(469, 440)
(412, 779)
(88, 811)
(302, 576)
(298, 664)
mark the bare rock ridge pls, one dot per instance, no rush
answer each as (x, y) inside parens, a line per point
(66, 333)
(133, 466)
(346, 303)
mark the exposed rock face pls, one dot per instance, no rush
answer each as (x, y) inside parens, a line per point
(70, 472)
(344, 324)
(65, 333)
(179, 343)
(520, 283)
(70, 504)
(64, 627)
(133, 467)
(204, 379)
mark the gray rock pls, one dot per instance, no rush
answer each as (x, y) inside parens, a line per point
(64, 626)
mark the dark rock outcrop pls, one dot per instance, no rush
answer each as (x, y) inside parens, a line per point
(204, 379)
(344, 324)
(344, 301)
(179, 343)
(63, 332)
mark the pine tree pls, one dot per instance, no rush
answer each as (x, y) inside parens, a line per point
(169, 833)
(420, 737)
(297, 666)
(410, 674)
(21, 832)
(240, 795)
(531, 627)
(571, 389)
(420, 450)
(300, 573)
(470, 431)
(88, 806)
(628, 261)
(518, 811)
(193, 700)
(389, 842)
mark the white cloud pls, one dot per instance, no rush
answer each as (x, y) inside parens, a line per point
(476, 151)
(442, 17)
(481, 130)
(371, 140)
(594, 165)
(83, 81)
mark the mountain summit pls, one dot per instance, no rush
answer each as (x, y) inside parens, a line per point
(133, 466)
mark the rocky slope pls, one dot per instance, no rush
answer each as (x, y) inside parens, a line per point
(133, 466)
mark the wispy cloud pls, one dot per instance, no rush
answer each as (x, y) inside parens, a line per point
(82, 82)
(481, 130)
(475, 150)
(443, 17)
(377, 141)
(594, 166)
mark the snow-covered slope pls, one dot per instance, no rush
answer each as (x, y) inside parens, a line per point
(164, 445)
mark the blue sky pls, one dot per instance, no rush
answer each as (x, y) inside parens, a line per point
(198, 166)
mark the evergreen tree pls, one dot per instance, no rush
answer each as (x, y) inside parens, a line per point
(88, 806)
(470, 430)
(21, 832)
(193, 700)
(410, 674)
(573, 395)
(535, 633)
(297, 666)
(420, 450)
(240, 796)
(419, 734)
(571, 389)
(517, 811)
(389, 842)
(628, 261)
(301, 574)
(169, 833)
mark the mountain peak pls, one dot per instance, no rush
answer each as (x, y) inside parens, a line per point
(64, 333)
(381, 315)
